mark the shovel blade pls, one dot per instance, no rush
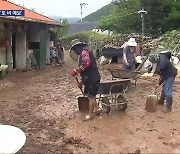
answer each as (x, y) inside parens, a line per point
(83, 104)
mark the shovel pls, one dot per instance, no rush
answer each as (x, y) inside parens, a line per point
(83, 102)
(152, 102)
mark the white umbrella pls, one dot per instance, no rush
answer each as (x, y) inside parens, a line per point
(11, 139)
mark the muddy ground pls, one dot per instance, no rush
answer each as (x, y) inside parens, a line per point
(44, 105)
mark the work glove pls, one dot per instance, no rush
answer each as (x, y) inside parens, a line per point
(147, 75)
(74, 73)
(150, 74)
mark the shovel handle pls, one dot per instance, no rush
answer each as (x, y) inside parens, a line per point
(79, 87)
(141, 65)
(155, 89)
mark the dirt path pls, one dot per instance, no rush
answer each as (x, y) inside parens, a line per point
(44, 105)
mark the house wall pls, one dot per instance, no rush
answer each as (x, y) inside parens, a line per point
(20, 50)
(47, 48)
(3, 55)
(9, 57)
(1, 25)
(5, 52)
(43, 45)
(34, 36)
(2, 49)
(6, 57)
(34, 33)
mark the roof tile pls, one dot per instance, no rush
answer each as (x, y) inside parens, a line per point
(29, 14)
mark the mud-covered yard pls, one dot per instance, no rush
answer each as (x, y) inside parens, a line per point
(44, 105)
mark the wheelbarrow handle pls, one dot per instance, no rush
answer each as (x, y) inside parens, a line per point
(79, 87)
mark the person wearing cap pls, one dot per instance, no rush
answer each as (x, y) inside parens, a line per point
(90, 75)
(167, 73)
(150, 68)
(129, 55)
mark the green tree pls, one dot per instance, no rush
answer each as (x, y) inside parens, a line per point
(108, 23)
(157, 10)
(173, 19)
(162, 16)
(62, 31)
(124, 19)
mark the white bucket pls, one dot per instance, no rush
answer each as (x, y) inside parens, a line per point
(11, 139)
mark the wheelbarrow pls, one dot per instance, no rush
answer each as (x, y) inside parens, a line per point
(112, 93)
(124, 74)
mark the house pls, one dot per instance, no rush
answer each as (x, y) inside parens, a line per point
(22, 36)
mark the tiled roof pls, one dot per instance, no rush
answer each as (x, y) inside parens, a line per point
(29, 14)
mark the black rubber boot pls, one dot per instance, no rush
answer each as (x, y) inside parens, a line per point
(162, 98)
(168, 105)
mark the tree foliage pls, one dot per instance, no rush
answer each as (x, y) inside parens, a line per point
(157, 11)
(60, 32)
(125, 18)
(173, 19)
(162, 16)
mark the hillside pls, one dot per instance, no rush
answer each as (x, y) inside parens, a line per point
(95, 16)
(99, 14)
(70, 19)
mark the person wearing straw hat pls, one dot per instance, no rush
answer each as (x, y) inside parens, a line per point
(129, 55)
(90, 75)
(167, 73)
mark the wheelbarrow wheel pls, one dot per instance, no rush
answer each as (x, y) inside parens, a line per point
(122, 103)
(105, 105)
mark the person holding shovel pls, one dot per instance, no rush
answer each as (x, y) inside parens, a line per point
(90, 75)
(167, 73)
